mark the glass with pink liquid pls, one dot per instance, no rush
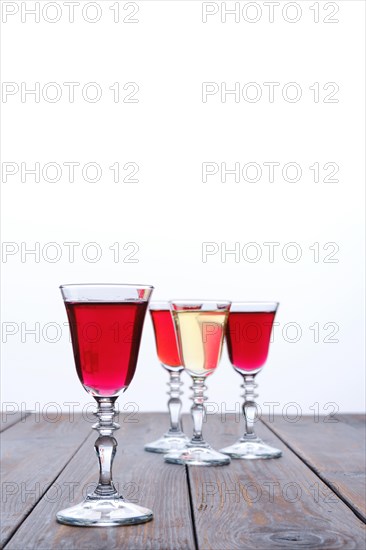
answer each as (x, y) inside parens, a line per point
(248, 335)
(168, 353)
(106, 322)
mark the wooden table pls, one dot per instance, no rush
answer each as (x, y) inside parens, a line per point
(312, 497)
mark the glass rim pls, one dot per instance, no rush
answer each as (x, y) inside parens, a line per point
(120, 285)
(199, 305)
(197, 302)
(106, 292)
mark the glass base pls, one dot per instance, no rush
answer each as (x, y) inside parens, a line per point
(198, 456)
(168, 443)
(103, 512)
(251, 449)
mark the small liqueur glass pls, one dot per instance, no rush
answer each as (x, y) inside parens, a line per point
(200, 327)
(168, 354)
(106, 324)
(248, 335)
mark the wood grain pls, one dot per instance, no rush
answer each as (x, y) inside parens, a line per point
(334, 450)
(33, 453)
(8, 419)
(278, 503)
(141, 476)
(275, 504)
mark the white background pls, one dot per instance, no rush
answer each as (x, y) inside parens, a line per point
(170, 212)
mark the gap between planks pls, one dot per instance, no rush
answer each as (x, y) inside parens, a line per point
(323, 478)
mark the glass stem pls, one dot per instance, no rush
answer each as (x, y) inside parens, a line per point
(249, 405)
(175, 403)
(105, 446)
(198, 411)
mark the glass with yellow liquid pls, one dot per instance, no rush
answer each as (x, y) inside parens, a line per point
(200, 328)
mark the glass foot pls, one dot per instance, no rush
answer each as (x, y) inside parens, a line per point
(197, 456)
(104, 513)
(168, 443)
(251, 449)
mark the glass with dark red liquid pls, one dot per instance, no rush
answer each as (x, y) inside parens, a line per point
(248, 336)
(106, 324)
(106, 340)
(168, 353)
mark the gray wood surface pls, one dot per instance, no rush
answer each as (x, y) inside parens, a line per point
(33, 453)
(142, 477)
(280, 504)
(8, 419)
(334, 449)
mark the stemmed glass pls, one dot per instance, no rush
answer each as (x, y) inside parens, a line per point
(200, 330)
(168, 353)
(248, 335)
(106, 324)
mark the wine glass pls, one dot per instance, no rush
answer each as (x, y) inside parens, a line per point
(248, 335)
(200, 327)
(168, 353)
(106, 324)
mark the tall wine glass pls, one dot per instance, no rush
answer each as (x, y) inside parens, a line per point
(200, 329)
(106, 324)
(248, 335)
(168, 353)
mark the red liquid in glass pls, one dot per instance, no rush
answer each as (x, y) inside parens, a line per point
(165, 338)
(248, 336)
(106, 340)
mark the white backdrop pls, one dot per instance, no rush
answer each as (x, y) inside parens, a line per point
(146, 94)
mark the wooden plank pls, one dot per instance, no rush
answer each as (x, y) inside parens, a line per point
(8, 419)
(354, 420)
(33, 453)
(278, 503)
(141, 476)
(334, 450)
